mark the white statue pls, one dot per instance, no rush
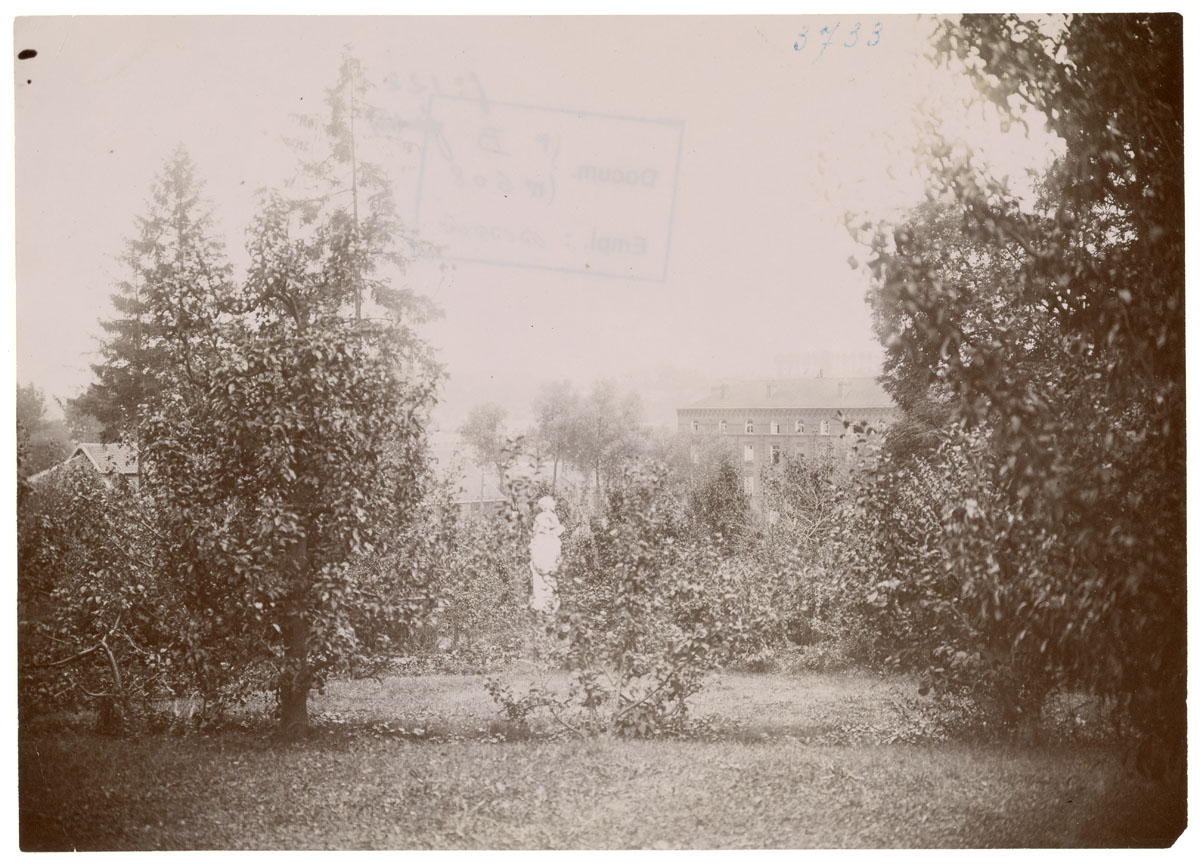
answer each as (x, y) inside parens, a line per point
(545, 551)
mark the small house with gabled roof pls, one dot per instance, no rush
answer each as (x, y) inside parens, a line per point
(110, 461)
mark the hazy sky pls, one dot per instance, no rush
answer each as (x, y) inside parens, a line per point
(607, 194)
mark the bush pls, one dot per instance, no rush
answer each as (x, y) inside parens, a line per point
(482, 607)
(797, 554)
(647, 611)
(97, 628)
(946, 578)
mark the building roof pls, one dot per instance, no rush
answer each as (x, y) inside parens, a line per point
(104, 458)
(43, 474)
(110, 458)
(796, 393)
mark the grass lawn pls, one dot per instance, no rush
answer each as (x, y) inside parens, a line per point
(424, 762)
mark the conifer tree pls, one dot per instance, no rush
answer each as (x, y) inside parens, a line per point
(178, 277)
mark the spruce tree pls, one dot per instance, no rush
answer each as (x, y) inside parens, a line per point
(178, 276)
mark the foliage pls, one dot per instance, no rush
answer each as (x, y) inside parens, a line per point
(802, 493)
(556, 408)
(97, 626)
(483, 596)
(604, 432)
(646, 613)
(963, 628)
(483, 431)
(1051, 337)
(81, 426)
(41, 442)
(280, 420)
(339, 157)
(806, 499)
(178, 276)
(299, 454)
(716, 504)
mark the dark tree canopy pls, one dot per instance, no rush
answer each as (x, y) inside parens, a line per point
(1052, 337)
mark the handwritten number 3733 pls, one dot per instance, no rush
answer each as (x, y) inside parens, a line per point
(827, 34)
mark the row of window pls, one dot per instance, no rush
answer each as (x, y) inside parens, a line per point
(776, 428)
(776, 453)
(747, 454)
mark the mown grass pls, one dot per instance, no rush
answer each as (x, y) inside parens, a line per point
(425, 762)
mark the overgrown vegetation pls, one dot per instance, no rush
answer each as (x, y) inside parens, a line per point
(1031, 536)
(97, 626)
(1016, 538)
(279, 421)
(653, 600)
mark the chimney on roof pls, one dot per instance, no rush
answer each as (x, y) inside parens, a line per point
(769, 388)
(821, 373)
(722, 391)
(841, 389)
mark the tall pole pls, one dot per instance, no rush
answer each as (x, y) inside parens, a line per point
(141, 367)
(354, 196)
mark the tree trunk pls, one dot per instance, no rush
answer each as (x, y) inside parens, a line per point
(294, 682)
(295, 679)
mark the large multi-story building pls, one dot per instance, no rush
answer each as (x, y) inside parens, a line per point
(762, 422)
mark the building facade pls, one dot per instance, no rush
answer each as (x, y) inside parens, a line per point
(763, 422)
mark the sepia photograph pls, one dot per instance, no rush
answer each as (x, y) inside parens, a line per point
(599, 432)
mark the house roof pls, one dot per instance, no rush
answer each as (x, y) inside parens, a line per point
(109, 458)
(796, 393)
(103, 458)
(43, 474)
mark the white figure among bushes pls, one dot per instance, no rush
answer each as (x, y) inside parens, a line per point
(545, 551)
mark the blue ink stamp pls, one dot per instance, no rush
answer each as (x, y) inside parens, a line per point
(546, 188)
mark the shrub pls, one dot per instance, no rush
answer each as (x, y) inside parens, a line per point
(483, 590)
(646, 613)
(97, 628)
(949, 579)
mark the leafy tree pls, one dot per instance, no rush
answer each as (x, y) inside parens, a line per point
(41, 442)
(300, 456)
(1051, 338)
(483, 431)
(282, 426)
(30, 414)
(342, 162)
(81, 426)
(556, 409)
(179, 276)
(802, 495)
(605, 431)
(281, 421)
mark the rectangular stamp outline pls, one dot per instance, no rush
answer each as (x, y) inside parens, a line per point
(429, 125)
